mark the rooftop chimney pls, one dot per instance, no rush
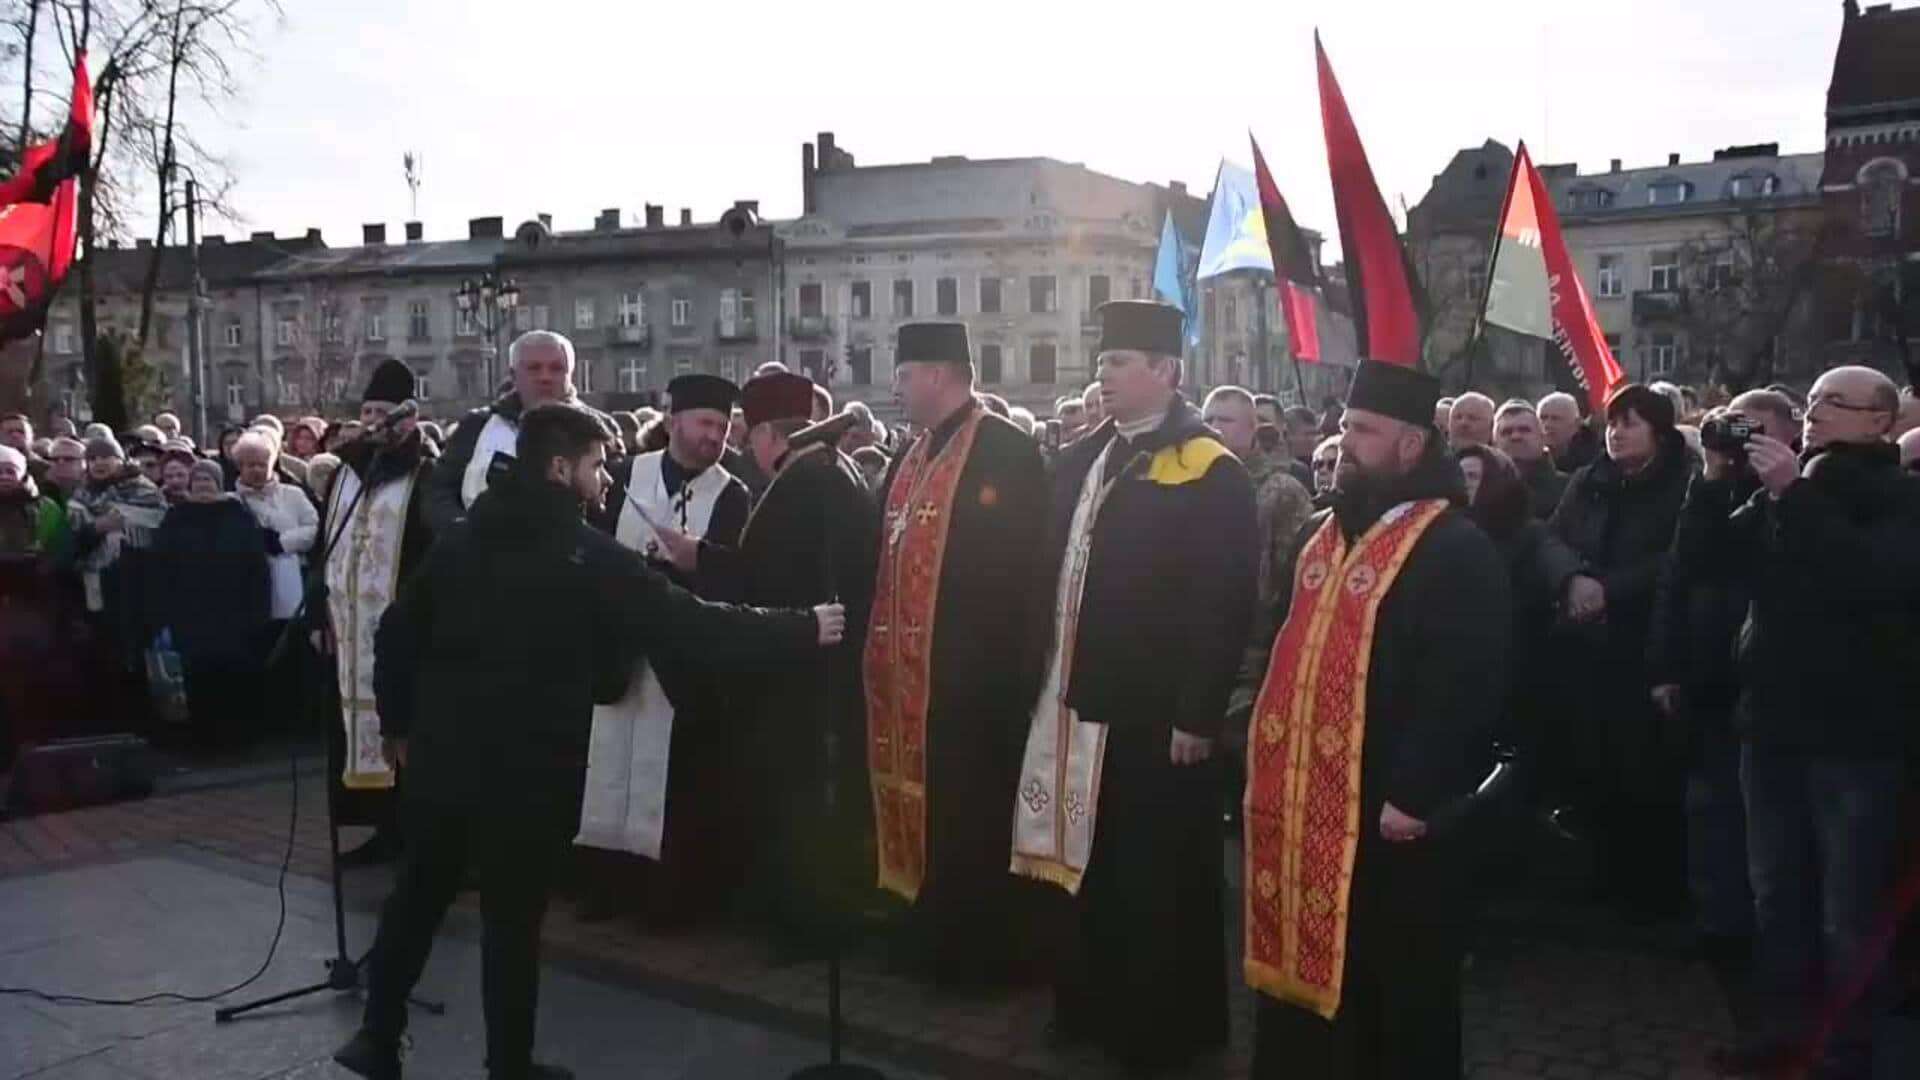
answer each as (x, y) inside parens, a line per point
(806, 178)
(264, 234)
(686, 217)
(608, 221)
(314, 235)
(1673, 159)
(415, 232)
(747, 206)
(1177, 187)
(656, 216)
(1614, 165)
(485, 228)
(213, 240)
(546, 221)
(373, 235)
(826, 149)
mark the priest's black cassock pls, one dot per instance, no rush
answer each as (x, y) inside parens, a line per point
(811, 539)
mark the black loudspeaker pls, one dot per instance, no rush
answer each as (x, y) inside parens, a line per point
(70, 773)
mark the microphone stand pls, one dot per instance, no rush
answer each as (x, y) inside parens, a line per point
(833, 1068)
(343, 970)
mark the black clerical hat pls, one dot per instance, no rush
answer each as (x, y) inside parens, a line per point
(934, 343)
(1143, 325)
(392, 382)
(701, 392)
(1394, 390)
(777, 395)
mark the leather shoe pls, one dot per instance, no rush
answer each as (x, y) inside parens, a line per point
(369, 1057)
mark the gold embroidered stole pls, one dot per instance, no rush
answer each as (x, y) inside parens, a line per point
(363, 573)
(1302, 810)
(898, 659)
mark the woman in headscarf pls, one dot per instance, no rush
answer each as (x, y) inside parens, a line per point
(1618, 516)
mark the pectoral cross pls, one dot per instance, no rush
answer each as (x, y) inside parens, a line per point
(897, 528)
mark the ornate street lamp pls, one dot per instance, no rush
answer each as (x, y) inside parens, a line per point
(487, 301)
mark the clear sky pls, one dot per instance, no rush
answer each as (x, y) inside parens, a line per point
(568, 106)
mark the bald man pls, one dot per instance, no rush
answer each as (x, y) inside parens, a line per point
(1470, 421)
(1828, 549)
(1572, 443)
(1910, 448)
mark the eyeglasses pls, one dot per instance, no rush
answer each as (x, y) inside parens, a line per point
(1320, 466)
(1837, 402)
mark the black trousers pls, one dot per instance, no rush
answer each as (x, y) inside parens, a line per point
(515, 850)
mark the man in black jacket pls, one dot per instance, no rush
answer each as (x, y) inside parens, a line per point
(1516, 430)
(486, 670)
(1829, 551)
(482, 447)
(1146, 602)
(1571, 442)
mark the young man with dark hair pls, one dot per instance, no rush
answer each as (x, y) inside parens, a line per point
(486, 669)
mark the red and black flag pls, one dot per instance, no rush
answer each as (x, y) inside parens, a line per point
(1294, 271)
(1533, 288)
(38, 214)
(1384, 293)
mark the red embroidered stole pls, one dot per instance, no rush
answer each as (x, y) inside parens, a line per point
(898, 660)
(1302, 812)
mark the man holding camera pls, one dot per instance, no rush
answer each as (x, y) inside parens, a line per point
(1828, 548)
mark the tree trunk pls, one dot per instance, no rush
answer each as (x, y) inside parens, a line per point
(164, 176)
(26, 93)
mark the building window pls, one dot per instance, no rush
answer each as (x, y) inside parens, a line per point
(903, 298)
(1720, 272)
(1589, 198)
(860, 360)
(730, 368)
(376, 325)
(423, 388)
(63, 338)
(232, 333)
(810, 302)
(990, 364)
(1099, 291)
(465, 323)
(1664, 273)
(583, 313)
(542, 317)
(682, 312)
(683, 365)
(286, 332)
(1043, 295)
(1612, 276)
(417, 329)
(1880, 185)
(288, 389)
(989, 296)
(1668, 193)
(236, 395)
(633, 374)
(633, 309)
(1613, 344)
(813, 364)
(862, 299)
(946, 296)
(1230, 304)
(1040, 362)
(1663, 354)
(1746, 187)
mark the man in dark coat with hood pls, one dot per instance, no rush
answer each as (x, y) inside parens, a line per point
(1371, 729)
(487, 667)
(1145, 599)
(373, 535)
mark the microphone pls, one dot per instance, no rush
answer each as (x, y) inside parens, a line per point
(407, 411)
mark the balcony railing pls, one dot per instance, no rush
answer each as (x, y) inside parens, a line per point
(1658, 305)
(736, 330)
(640, 334)
(810, 327)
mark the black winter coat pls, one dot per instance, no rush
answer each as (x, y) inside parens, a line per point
(1171, 582)
(523, 617)
(1828, 655)
(207, 569)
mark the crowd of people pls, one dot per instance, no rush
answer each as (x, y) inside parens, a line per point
(1687, 626)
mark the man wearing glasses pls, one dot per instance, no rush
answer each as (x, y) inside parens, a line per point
(1829, 550)
(66, 468)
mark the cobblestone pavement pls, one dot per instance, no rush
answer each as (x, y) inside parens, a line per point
(1577, 1001)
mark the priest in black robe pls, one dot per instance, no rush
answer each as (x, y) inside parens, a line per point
(1147, 597)
(1357, 878)
(948, 691)
(378, 492)
(811, 535)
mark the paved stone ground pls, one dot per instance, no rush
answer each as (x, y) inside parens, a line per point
(1579, 1001)
(193, 922)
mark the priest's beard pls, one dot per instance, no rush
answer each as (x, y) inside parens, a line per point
(1363, 493)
